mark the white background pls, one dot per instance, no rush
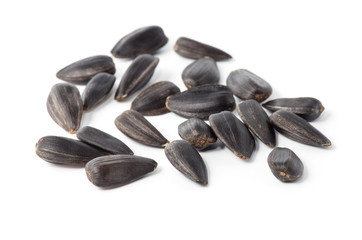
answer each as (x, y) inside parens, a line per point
(310, 48)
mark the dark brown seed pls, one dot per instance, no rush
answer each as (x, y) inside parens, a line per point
(246, 85)
(197, 132)
(102, 140)
(141, 41)
(305, 107)
(134, 125)
(202, 101)
(298, 129)
(285, 164)
(189, 48)
(233, 133)
(152, 100)
(200, 72)
(97, 90)
(61, 150)
(256, 119)
(65, 106)
(118, 170)
(185, 158)
(136, 76)
(82, 71)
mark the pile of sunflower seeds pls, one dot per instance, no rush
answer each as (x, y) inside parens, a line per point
(110, 163)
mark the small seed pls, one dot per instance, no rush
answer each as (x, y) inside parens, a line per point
(285, 164)
(185, 158)
(82, 71)
(118, 170)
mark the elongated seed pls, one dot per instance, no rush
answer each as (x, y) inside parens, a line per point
(197, 132)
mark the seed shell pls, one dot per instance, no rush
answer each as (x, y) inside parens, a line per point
(118, 170)
(65, 106)
(298, 129)
(185, 158)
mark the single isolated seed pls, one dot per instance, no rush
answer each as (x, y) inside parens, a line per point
(65, 106)
(246, 85)
(285, 164)
(141, 41)
(82, 71)
(118, 170)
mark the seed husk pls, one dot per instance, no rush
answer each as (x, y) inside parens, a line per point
(97, 90)
(202, 101)
(61, 150)
(141, 41)
(152, 100)
(256, 119)
(185, 158)
(136, 76)
(246, 85)
(197, 132)
(233, 133)
(305, 107)
(285, 164)
(118, 170)
(134, 125)
(190, 48)
(65, 106)
(82, 71)
(298, 129)
(102, 140)
(200, 72)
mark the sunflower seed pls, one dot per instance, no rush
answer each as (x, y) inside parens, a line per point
(298, 129)
(102, 140)
(200, 72)
(82, 71)
(305, 107)
(61, 150)
(65, 106)
(233, 133)
(190, 48)
(118, 170)
(141, 41)
(185, 158)
(202, 101)
(134, 125)
(246, 85)
(97, 90)
(152, 100)
(197, 132)
(136, 76)
(285, 164)
(255, 118)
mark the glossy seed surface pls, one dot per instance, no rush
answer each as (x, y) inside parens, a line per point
(118, 170)
(136, 76)
(285, 164)
(298, 129)
(102, 140)
(82, 71)
(152, 100)
(197, 132)
(200, 72)
(246, 85)
(141, 41)
(190, 48)
(202, 101)
(61, 150)
(256, 119)
(233, 133)
(134, 125)
(185, 158)
(65, 106)
(97, 90)
(305, 107)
